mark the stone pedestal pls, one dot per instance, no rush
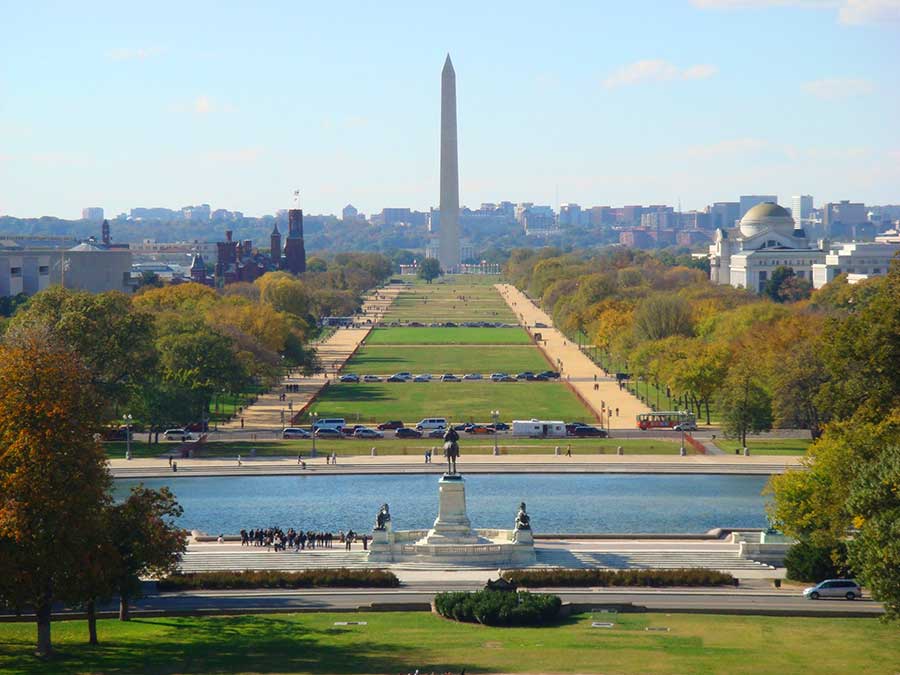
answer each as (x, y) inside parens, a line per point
(452, 525)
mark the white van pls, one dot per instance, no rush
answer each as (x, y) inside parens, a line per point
(330, 423)
(432, 423)
(535, 428)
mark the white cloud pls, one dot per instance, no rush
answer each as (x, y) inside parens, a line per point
(850, 12)
(736, 146)
(134, 53)
(855, 12)
(657, 70)
(831, 89)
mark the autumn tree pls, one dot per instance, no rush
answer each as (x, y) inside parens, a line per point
(745, 405)
(53, 477)
(662, 315)
(147, 541)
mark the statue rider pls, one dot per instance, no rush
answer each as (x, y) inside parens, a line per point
(451, 449)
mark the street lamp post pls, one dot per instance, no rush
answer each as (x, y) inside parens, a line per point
(315, 417)
(495, 414)
(127, 420)
(683, 451)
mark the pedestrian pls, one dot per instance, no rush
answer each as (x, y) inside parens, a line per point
(568, 451)
(239, 460)
(334, 458)
(170, 460)
(617, 412)
(242, 423)
(299, 459)
(365, 541)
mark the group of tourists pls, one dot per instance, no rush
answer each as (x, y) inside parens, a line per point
(279, 540)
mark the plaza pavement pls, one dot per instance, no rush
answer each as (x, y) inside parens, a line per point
(762, 465)
(576, 368)
(269, 413)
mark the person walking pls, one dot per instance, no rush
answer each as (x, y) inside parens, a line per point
(239, 460)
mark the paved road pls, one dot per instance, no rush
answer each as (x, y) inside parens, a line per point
(726, 601)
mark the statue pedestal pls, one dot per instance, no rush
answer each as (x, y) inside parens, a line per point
(452, 525)
(523, 537)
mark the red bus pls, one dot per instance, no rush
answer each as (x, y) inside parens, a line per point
(666, 419)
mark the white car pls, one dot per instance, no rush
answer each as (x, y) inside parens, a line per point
(177, 435)
(294, 432)
(686, 426)
(834, 588)
(365, 432)
(472, 376)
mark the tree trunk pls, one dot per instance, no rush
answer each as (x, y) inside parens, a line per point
(92, 622)
(44, 646)
(123, 608)
(707, 412)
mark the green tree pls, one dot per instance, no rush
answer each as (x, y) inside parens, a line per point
(147, 542)
(785, 286)
(53, 475)
(745, 405)
(430, 269)
(662, 315)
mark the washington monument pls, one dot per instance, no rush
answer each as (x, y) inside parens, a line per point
(448, 252)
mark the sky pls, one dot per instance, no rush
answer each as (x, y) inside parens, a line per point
(597, 102)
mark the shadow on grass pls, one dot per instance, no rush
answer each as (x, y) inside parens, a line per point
(218, 645)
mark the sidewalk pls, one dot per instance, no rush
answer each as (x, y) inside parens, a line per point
(269, 413)
(576, 368)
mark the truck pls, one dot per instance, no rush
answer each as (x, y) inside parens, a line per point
(535, 428)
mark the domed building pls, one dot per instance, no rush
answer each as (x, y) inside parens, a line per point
(766, 238)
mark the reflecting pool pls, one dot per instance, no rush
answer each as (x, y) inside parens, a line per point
(556, 503)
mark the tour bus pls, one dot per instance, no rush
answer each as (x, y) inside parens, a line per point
(666, 419)
(539, 428)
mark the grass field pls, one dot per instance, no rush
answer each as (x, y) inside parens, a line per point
(457, 401)
(778, 446)
(459, 359)
(401, 642)
(448, 336)
(454, 298)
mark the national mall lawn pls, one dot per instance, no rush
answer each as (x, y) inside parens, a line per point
(401, 642)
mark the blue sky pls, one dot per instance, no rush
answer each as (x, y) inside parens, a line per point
(168, 104)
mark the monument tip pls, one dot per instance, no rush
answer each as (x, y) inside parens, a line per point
(448, 63)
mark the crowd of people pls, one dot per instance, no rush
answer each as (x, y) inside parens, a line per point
(279, 540)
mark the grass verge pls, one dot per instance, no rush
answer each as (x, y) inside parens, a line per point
(457, 359)
(774, 446)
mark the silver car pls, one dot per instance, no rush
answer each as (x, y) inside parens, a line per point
(834, 588)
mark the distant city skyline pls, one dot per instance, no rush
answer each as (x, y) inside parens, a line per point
(236, 106)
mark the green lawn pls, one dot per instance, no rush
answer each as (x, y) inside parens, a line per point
(779, 446)
(457, 401)
(455, 298)
(478, 445)
(448, 336)
(457, 359)
(401, 642)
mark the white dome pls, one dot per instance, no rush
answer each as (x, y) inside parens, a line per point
(765, 217)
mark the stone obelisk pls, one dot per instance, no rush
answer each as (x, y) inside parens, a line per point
(448, 252)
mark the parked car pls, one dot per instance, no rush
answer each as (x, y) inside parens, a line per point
(507, 378)
(351, 429)
(424, 377)
(552, 374)
(177, 435)
(199, 427)
(436, 433)
(584, 431)
(432, 423)
(349, 377)
(538, 324)
(366, 432)
(497, 377)
(500, 426)
(406, 432)
(397, 378)
(406, 375)
(472, 376)
(328, 432)
(330, 422)
(834, 588)
(449, 377)
(462, 427)
(526, 375)
(371, 378)
(392, 424)
(686, 426)
(479, 429)
(294, 432)
(540, 377)
(416, 324)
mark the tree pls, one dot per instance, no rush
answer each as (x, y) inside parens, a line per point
(430, 269)
(662, 315)
(51, 471)
(745, 406)
(785, 286)
(146, 539)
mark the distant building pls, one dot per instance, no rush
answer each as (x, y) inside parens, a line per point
(141, 213)
(724, 215)
(768, 238)
(845, 220)
(747, 202)
(275, 247)
(396, 216)
(858, 261)
(695, 220)
(199, 213)
(634, 237)
(692, 237)
(349, 214)
(601, 215)
(93, 214)
(23, 271)
(294, 258)
(802, 208)
(570, 215)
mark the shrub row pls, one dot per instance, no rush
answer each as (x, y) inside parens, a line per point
(334, 578)
(551, 578)
(498, 608)
(807, 562)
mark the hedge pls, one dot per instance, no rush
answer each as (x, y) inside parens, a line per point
(498, 608)
(552, 578)
(806, 562)
(326, 578)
